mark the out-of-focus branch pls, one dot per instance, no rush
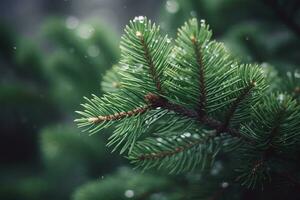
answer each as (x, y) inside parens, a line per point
(284, 16)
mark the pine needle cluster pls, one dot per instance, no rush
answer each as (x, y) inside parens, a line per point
(180, 103)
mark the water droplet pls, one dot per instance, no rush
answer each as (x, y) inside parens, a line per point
(172, 6)
(280, 98)
(125, 67)
(168, 40)
(138, 34)
(139, 19)
(15, 48)
(129, 193)
(187, 134)
(72, 22)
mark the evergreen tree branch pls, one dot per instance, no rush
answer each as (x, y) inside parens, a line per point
(187, 101)
(119, 115)
(230, 113)
(177, 150)
(275, 130)
(150, 62)
(158, 101)
(202, 87)
(267, 153)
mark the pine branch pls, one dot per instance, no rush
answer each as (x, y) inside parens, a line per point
(266, 154)
(230, 113)
(275, 129)
(202, 86)
(270, 134)
(177, 108)
(179, 149)
(149, 59)
(118, 116)
(158, 101)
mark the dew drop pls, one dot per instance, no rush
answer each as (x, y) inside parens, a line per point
(280, 98)
(138, 34)
(187, 134)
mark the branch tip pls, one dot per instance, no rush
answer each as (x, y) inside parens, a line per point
(119, 115)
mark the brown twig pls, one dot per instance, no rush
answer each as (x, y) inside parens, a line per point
(119, 115)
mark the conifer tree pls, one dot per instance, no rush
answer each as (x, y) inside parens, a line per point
(178, 105)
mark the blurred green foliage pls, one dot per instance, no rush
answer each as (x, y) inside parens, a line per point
(43, 79)
(41, 83)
